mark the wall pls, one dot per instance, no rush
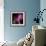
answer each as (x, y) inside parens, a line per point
(30, 7)
(43, 6)
(1, 21)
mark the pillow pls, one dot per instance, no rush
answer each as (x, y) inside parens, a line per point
(20, 42)
(28, 39)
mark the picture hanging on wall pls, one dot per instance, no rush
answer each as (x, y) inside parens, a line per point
(17, 18)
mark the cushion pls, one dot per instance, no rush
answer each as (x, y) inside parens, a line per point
(20, 42)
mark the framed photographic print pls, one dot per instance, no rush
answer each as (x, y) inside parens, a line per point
(17, 18)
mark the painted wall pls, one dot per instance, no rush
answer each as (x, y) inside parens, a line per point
(30, 7)
(43, 6)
